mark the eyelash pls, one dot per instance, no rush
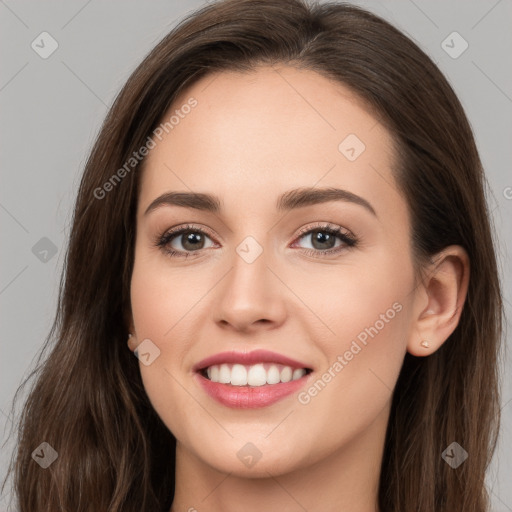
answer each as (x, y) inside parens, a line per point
(346, 237)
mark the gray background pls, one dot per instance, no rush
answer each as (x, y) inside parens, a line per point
(51, 110)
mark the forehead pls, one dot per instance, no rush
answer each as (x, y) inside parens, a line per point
(270, 129)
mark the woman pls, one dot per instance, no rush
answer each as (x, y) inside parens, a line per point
(358, 372)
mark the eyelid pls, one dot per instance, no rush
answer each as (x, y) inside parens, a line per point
(348, 239)
(177, 231)
(324, 225)
(338, 231)
(187, 227)
(321, 225)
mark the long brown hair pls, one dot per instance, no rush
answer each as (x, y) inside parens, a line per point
(88, 401)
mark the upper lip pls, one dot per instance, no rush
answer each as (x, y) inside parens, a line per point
(248, 358)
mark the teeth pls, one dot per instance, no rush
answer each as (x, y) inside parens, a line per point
(286, 374)
(213, 373)
(238, 375)
(224, 374)
(273, 375)
(257, 376)
(253, 375)
(298, 373)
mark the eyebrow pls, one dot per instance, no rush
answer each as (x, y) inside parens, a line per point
(292, 199)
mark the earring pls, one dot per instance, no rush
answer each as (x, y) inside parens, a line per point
(425, 344)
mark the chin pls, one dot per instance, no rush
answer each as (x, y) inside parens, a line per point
(247, 459)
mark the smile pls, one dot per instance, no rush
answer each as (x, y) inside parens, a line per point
(253, 375)
(250, 380)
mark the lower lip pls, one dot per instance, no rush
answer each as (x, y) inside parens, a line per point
(247, 397)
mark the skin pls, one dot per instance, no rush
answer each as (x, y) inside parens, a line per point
(252, 137)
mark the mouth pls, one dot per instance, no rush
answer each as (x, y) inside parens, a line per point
(255, 375)
(247, 380)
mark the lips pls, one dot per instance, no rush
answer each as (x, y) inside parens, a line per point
(249, 380)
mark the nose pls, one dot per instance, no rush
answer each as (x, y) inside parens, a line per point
(250, 297)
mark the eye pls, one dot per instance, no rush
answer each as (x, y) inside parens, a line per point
(327, 239)
(183, 241)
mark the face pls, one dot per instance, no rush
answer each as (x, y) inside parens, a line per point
(274, 285)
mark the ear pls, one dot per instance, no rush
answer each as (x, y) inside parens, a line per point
(440, 299)
(132, 340)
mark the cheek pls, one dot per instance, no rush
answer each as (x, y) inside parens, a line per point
(367, 311)
(355, 386)
(160, 297)
(160, 303)
(361, 298)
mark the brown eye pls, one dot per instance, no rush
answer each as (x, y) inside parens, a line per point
(192, 240)
(184, 241)
(323, 240)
